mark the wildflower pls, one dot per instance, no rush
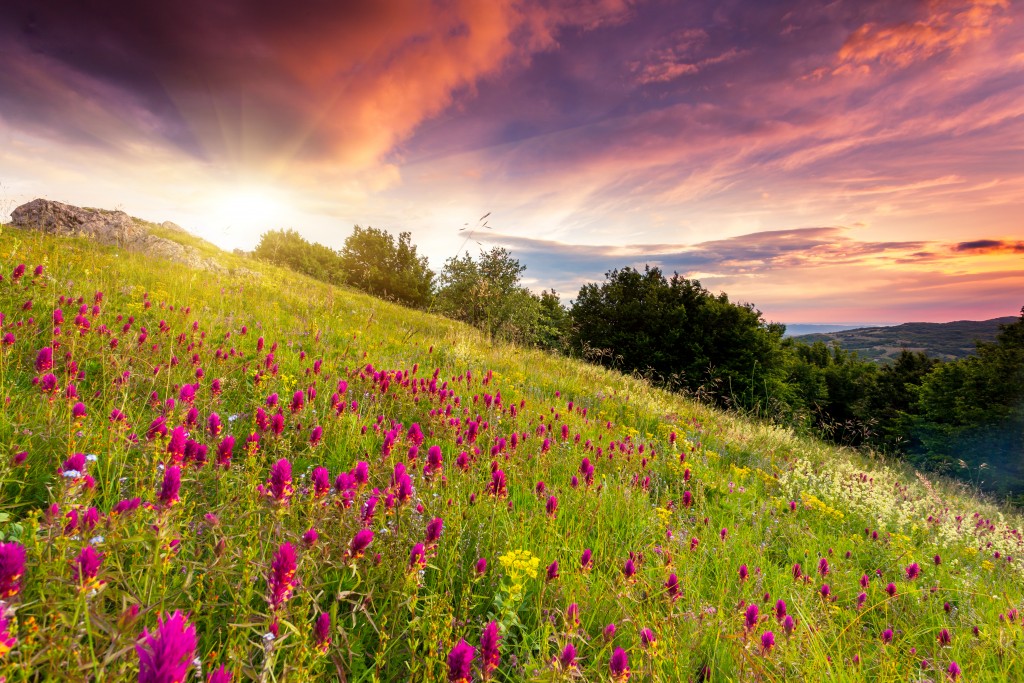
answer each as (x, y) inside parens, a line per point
(687, 499)
(360, 542)
(460, 663)
(170, 487)
(953, 670)
(322, 632)
(751, 617)
(572, 616)
(629, 569)
(553, 571)
(938, 560)
(780, 609)
(310, 537)
(891, 590)
(694, 542)
(567, 660)
(586, 560)
(825, 591)
(86, 567)
(12, 568)
(165, 656)
(887, 636)
(417, 558)
(298, 401)
(225, 449)
(619, 665)
(552, 506)
(723, 533)
(221, 675)
(315, 436)
(44, 359)
(788, 624)
(281, 580)
(126, 505)
(767, 642)
(823, 567)
(321, 481)
(743, 573)
(672, 586)
(7, 639)
(497, 487)
(489, 649)
(214, 425)
(19, 458)
(434, 460)
(647, 637)
(481, 566)
(176, 444)
(864, 581)
(434, 528)
(913, 571)
(279, 484)
(861, 597)
(944, 638)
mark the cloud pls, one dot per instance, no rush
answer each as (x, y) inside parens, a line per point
(948, 26)
(990, 246)
(262, 82)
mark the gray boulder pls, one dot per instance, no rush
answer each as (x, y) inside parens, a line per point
(107, 227)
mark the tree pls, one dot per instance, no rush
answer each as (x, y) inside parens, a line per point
(676, 331)
(290, 249)
(487, 294)
(375, 263)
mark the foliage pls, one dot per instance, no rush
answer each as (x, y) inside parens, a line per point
(682, 334)
(376, 263)
(289, 249)
(125, 563)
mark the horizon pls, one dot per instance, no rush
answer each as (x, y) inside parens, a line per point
(838, 161)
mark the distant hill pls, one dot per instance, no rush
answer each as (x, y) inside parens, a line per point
(799, 329)
(946, 341)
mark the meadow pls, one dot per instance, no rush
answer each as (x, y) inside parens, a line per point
(227, 477)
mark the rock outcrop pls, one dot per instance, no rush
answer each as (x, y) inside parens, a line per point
(107, 227)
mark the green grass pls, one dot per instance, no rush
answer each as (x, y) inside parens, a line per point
(390, 623)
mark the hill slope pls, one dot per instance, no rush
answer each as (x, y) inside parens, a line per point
(204, 404)
(945, 341)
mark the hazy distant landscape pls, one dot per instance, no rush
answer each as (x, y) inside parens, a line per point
(945, 341)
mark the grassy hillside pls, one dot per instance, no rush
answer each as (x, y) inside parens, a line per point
(945, 341)
(719, 549)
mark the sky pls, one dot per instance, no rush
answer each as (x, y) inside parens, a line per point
(855, 161)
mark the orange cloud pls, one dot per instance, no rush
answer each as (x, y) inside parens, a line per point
(948, 26)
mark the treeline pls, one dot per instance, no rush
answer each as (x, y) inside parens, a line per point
(964, 418)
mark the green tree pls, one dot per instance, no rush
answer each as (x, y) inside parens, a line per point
(289, 249)
(376, 263)
(488, 294)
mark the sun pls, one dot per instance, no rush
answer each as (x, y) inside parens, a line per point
(251, 209)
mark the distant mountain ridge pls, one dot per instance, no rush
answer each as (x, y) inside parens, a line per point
(946, 341)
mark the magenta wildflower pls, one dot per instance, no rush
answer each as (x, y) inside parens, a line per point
(767, 642)
(44, 359)
(7, 639)
(913, 571)
(891, 590)
(953, 670)
(497, 487)
(214, 425)
(170, 487)
(310, 537)
(647, 637)
(78, 411)
(629, 569)
(86, 567)
(944, 638)
(553, 571)
(315, 435)
(221, 675)
(165, 656)
(687, 499)
(434, 528)
(322, 632)
(279, 484)
(417, 558)
(861, 598)
(825, 591)
(460, 663)
(360, 542)
(743, 572)
(723, 533)
(12, 568)
(586, 560)
(298, 401)
(788, 624)
(672, 586)
(780, 609)
(481, 566)
(281, 581)
(567, 660)
(887, 636)
(751, 617)
(619, 665)
(489, 654)
(823, 568)
(552, 506)
(572, 616)
(321, 479)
